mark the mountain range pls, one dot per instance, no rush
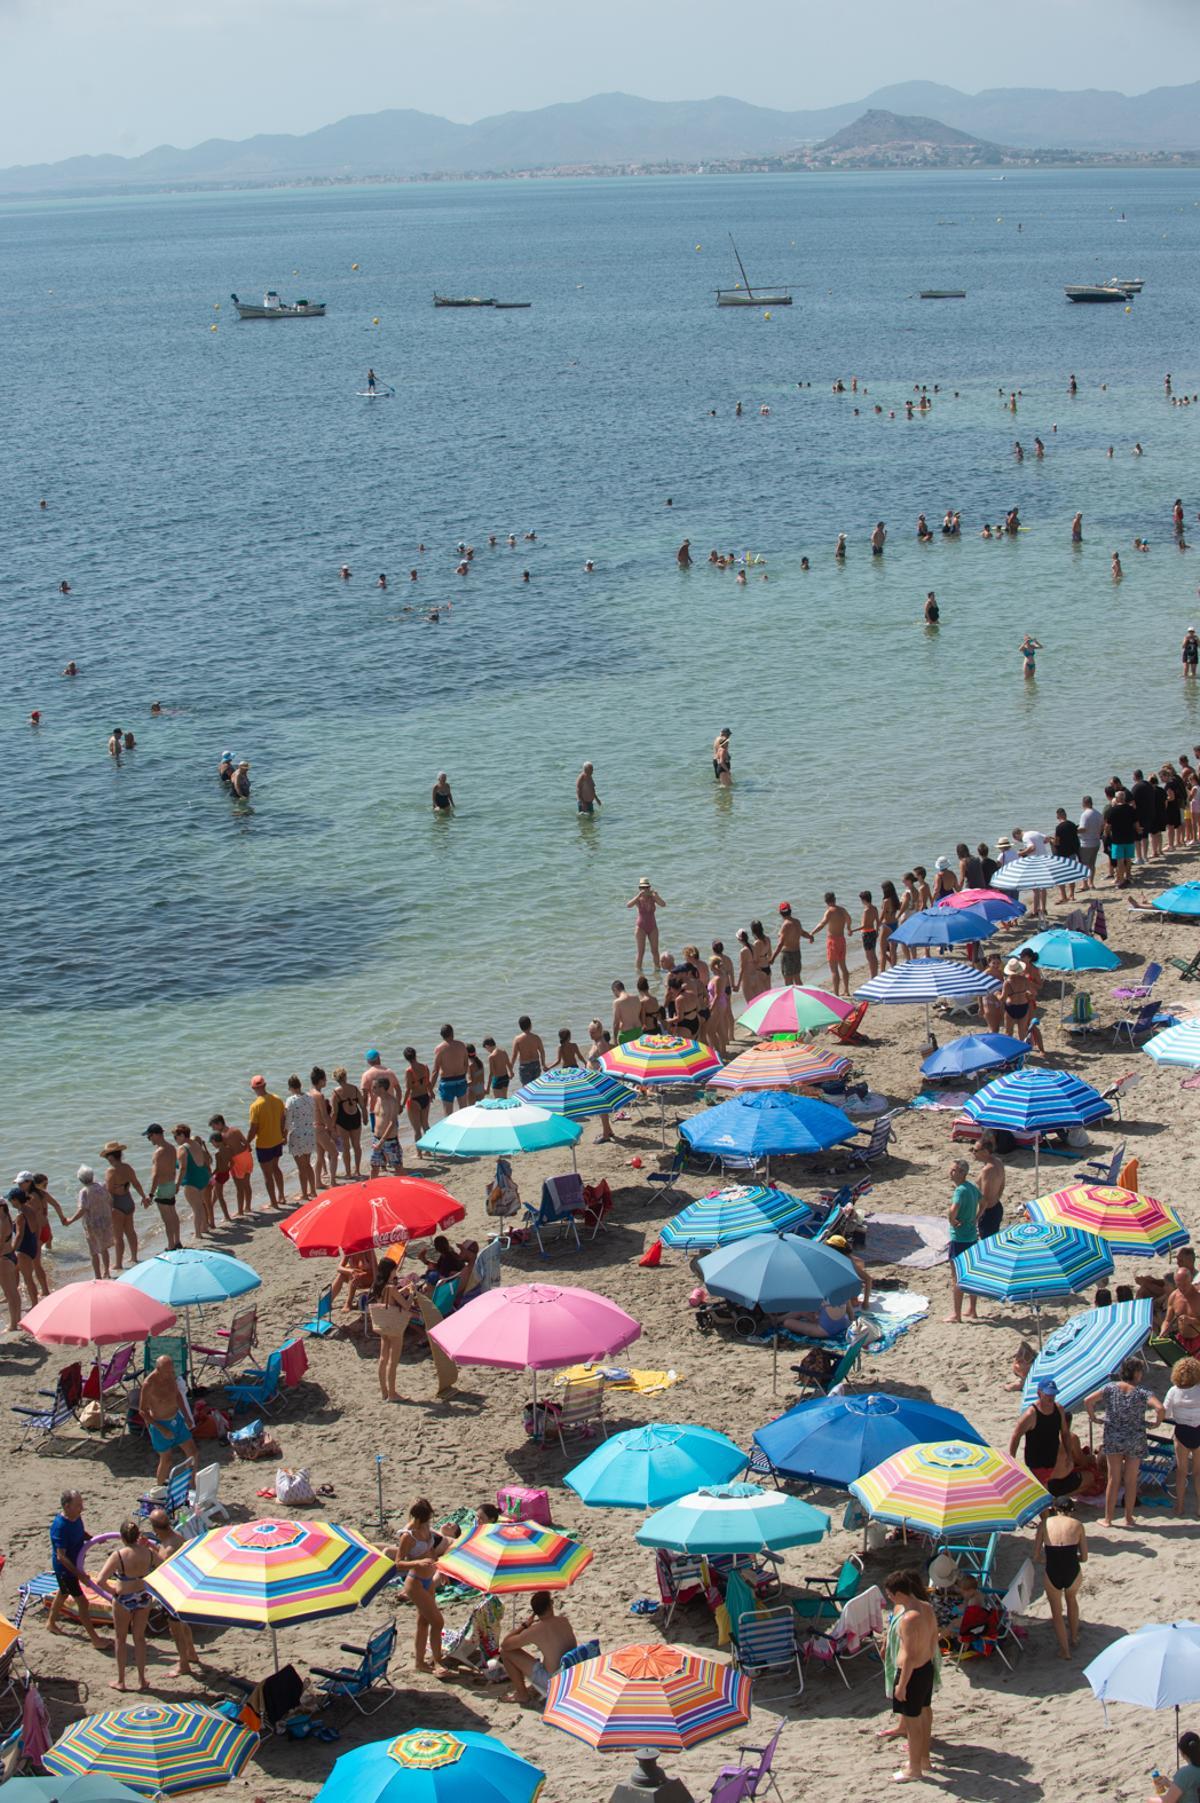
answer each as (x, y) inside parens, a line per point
(621, 129)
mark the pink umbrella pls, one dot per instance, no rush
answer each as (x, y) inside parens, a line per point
(535, 1327)
(989, 902)
(97, 1313)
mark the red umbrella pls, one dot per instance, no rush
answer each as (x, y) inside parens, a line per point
(367, 1216)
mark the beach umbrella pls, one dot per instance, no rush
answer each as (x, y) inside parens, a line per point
(972, 1052)
(792, 1008)
(91, 1788)
(191, 1276)
(1129, 1223)
(648, 1696)
(502, 1558)
(734, 1518)
(780, 1064)
(660, 1061)
(1154, 1667)
(501, 1126)
(1183, 898)
(734, 1214)
(1033, 871)
(927, 980)
(943, 926)
(535, 1327)
(1179, 1044)
(778, 1272)
(1032, 1263)
(1063, 949)
(1036, 1101)
(578, 1095)
(433, 1765)
(1081, 1354)
(157, 1749)
(97, 1312)
(762, 1122)
(645, 1467)
(370, 1216)
(988, 902)
(949, 1487)
(270, 1573)
(834, 1439)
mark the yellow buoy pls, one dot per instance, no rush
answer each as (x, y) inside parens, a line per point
(1129, 309)
(295, 272)
(354, 265)
(212, 328)
(216, 306)
(766, 316)
(697, 247)
(375, 321)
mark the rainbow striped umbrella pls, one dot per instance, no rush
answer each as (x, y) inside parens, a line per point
(269, 1573)
(1128, 1222)
(734, 1214)
(793, 1008)
(950, 1487)
(504, 1557)
(577, 1094)
(648, 1696)
(657, 1060)
(780, 1065)
(156, 1748)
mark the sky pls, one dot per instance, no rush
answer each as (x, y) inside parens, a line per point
(123, 76)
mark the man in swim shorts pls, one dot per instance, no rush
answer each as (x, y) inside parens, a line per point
(528, 1053)
(450, 1063)
(162, 1184)
(163, 1407)
(837, 923)
(916, 1644)
(532, 1652)
(586, 798)
(787, 946)
(386, 1153)
(626, 1014)
(268, 1134)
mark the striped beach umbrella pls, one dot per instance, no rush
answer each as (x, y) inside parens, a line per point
(1033, 1263)
(504, 1557)
(500, 1125)
(1179, 1044)
(648, 1696)
(792, 1008)
(927, 980)
(579, 1095)
(734, 1214)
(943, 926)
(269, 1573)
(1183, 898)
(164, 1749)
(432, 1765)
(988, 902)
(645, 1467)
(1088, 1348)
(734, 1518)
(1040, 872)
(780, 1064)
(1036, 1101)
(1129, 1223)
(658, 1060)
(945, 1487)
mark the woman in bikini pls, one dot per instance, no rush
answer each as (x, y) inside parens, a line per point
(123, 1577)
(1061, 1546)
(418, 1093)
(1017, 997)
(476, 1076)
(10, 1285)
(347, 1104)
(420, 1546)
(391, 1309)
(889, 916)
(647, 901)
(120, 1180)
(761, 946)
(327, 1150)
(649, 1006)
(750, 979)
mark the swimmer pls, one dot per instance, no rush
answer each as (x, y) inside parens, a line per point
(72, 669)
(524, 575)
(412, 575)
(443, 799)
(240, 782)
(1117, 571)
(588, 567)
(381, 580)
(839, 550)
(35, 718)
(932, 611)
(43, 505)
(1077, 529)
(683, 557)
(156, 708)
(130, 742)
(1039, 449)
(115, 743)
(741, 578)
(344, 572)
(226, 767)
(530, 538)
(803, 565)
(64, 588)
(986, 533)
(1137, 451)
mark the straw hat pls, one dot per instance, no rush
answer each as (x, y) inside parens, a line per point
(1014, 968)
(1004, 843)
(112, 1148)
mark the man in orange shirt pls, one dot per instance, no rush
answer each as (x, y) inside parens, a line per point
(268, 1130)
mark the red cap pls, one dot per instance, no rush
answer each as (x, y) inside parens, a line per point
(258, 1082)
(785, 907)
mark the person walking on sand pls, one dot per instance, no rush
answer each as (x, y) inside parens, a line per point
(416, 1555)
(68, 1537)
(911, 1662)
(163, 1407)
(586, 798)
(787, 945)
(1061, 1546)
(532, 1652)
(1126, 1400)
(837, 924)
(963, 1217)
(647, 901)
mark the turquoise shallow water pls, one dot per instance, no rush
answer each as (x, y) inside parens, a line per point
(204, 487)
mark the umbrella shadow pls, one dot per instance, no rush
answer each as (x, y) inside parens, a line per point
(983, 1774)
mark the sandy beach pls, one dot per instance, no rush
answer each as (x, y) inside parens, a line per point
(998, 1735)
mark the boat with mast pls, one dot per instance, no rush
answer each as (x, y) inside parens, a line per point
(743, 295)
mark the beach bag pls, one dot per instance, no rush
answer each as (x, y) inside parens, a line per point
(253, 1442)
(91, 1417)
(538, 1420)
(293, 1487)
(388, 1321)
(522, 1504)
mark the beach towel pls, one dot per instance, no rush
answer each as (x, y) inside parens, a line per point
(616, 1377)
(919, 1241)
(941, 1098)
(893, 1314)
(293, 1363)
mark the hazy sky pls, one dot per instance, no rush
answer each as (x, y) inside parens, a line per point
(126, 75)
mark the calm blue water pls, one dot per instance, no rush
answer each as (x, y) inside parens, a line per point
(204, 486)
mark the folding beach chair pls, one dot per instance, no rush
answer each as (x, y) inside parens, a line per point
(825, 1597)
(488, 1271)
(765, 1640)
(1137, 992)
(322, 1322)
(172, 1496)
(1137, 1026)
(238, 1343)
(681, 1578)
(167, 1345)
(856, 1632)
(43, 1420)
(204, 1505)
(875, 1147)
(750, 1778)
(1188, 968)
(369, 1677)
(114, 1374)
(581, 1409)
(1102, 1171)
(668, 1181)
(562, 1201)
(1116, 1092)
(814, 1378)
(258, 1388)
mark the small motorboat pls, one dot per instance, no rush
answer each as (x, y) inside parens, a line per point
(274, 308)
(1133, 286)
(511, 306)
(1096, 293)
(464, 300)
(943, 294)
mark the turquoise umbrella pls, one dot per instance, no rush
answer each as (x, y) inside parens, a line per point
(645, 1467)
(734, 1214)
(433, 1765)
(191, 1276)
(91, 1789)
(734, 1518)
(1087, 1349)
(499, 1128)
(578, 1095)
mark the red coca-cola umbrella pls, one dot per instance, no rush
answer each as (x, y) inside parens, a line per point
(371, 1215)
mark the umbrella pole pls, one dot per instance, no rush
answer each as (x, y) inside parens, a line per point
(100, 1388)
(774, 1361)
(274, 1648)
(379, 1490)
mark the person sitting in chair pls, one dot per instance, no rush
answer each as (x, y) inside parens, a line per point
(549, 1635)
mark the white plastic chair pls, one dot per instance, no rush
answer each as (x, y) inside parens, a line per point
(204, 1504)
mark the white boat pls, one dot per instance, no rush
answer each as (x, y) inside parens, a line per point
(274, 308)
(745, 296)
(1098, 294)
(1134, 285)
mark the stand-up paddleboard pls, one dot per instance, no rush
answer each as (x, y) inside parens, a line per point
(374, 394)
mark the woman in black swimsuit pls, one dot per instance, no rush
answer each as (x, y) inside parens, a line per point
(443, 800)
(26, 1241)
(9, 1283)
(346, 1102)
(1061, 1546)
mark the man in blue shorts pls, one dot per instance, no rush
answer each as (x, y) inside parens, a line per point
(450, 1071)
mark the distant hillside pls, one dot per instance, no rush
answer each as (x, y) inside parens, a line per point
(879, 128)
(622, 130)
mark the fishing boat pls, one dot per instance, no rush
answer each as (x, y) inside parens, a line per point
(464, 300)
(274, 308)
(743, 295)
(511, 306)
(943, 294)
(1096, 294)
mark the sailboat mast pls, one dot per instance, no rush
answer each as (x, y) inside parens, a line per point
(737, 258)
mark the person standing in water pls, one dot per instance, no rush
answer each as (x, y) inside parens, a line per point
(443, 799)
(1029, 650)
(933, 612)
(722, 759)
(586, 798)
(1077, 529)
(647, 901)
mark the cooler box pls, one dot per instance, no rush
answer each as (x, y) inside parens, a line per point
(522, 1504)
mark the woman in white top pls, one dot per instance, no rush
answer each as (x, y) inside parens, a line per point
(1183, 1410)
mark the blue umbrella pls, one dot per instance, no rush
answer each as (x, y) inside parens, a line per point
(1156, 1668)
(927, 980)
(734, 1214)
(91, 1788)
(974, 1052)
(645, 1467)
(577, 1094)
(835, 1439)
(780, 1271)
(1085, 1350)
(1035, 1101)
(734, 1518)
(1062, 949)
(1033, 1262)
(1184, 899)
(432, 1765)
(766, 1121)
(191, 1276)
(943, 926)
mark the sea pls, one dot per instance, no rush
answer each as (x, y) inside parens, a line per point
(205, 479)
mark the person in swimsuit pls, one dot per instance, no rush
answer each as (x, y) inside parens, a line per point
(27, 1248)
(1029, 650)
(722, 759)
(347, 1104)
(121, 1180)
(10, 1283)
(647, 901)
(532, 1652)
(450, 1063)
(163, 1407)
(443, 799)
(163, 1186)
(476, 1076)
(499, 1067)
(837, 924)
(889, 915)
(416, 1554)
(239, 785)
(234, 1146)
(327, 1146)
(1045, 1429)
(1061, 1546)
(123, 1577)
(418, 1093)
(1016, 995)
(1182, 1406)
(911, 1668)
(528, 1052)
(787, 945)
(1191, 653)
(868, 928)
(194, 1167)
(225, 768)
(370, 381)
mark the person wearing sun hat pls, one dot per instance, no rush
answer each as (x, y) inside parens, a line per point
(1004, 846)
(1017, 996)
(121, 1180)
(268, 1131)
